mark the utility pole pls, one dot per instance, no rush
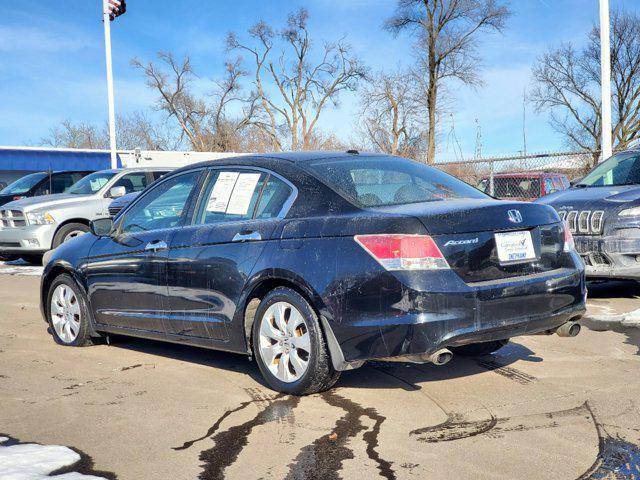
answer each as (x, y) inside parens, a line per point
(524, 121)
(106, 20)
(605, 67)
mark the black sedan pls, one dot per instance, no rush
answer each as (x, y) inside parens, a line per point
(314, 263)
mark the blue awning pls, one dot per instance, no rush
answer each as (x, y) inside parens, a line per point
(45, 160)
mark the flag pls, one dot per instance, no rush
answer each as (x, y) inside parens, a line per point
(116, 8)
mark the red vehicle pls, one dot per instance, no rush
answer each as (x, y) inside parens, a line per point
(525, 186)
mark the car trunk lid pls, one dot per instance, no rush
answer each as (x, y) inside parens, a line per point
(466, 232)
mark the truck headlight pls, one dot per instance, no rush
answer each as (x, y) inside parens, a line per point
(40, 218)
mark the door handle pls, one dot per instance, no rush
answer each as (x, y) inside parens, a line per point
(156, 245)
(246, 236)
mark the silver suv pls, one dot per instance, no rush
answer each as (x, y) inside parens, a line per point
(32, 226)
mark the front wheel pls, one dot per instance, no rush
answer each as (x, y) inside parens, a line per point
(69, 231)
(68, 313)
(289, 345)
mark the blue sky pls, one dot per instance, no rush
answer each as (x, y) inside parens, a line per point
(52, 60)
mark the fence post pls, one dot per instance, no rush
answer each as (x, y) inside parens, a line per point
(491, 184)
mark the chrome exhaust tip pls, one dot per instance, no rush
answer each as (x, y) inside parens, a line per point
(441, 357)
(569, 329)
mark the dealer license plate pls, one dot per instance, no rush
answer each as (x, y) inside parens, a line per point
(515, 247)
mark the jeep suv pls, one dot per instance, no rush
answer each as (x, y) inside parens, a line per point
(603, 212)
(32, 226)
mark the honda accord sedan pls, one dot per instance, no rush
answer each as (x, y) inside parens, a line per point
(313, 263)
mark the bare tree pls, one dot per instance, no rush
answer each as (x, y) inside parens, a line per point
(391, 114)
(75, 135)
(447, 40)
(568, 86)
(304, 87)
(132, 131)
(203, 122)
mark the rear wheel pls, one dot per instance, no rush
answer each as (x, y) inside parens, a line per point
(69, 231)
(478, 349)
(289, 346)
(67, 313)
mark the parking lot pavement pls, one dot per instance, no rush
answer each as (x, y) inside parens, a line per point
(543, 407)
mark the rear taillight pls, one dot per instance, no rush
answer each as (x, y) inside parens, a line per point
(569, 243)
(404, 252)
(18, 197)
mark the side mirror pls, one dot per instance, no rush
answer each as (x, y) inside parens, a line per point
(102, 227)
(117, 192)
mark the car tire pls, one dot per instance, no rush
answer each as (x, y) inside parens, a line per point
(479, 349)
(32, 259)
(292, 356)
(69, 318)
(67, 232)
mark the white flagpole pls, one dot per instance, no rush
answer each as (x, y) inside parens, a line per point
(112, 115)
(605, 66)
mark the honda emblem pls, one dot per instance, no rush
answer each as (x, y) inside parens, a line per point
(514, 216)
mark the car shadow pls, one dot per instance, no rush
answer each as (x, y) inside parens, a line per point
(613, 289)
(374, 374)
(409, 376)
(186, 353)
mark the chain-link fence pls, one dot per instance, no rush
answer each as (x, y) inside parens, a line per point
(522, 177)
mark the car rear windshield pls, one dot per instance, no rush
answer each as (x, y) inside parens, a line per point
(23, 185)
(91, 183)
(512, 187)
(383, 181)
(621, 169)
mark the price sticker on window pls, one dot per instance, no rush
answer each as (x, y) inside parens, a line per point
(243, 193)
(221, 192)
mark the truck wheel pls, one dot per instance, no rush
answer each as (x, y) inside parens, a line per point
(289, 345)
(69, 231)
(479, 349)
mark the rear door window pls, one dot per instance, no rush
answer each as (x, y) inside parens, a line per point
(383, 181)
(230, 195)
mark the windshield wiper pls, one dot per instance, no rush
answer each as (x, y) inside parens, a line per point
(581, 185)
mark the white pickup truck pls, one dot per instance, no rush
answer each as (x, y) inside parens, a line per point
(32, 226)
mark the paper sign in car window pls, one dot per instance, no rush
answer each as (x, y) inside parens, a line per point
(242, 193)
(221, 192)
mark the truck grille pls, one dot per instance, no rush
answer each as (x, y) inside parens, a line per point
(583, 222)
(12, 219)
(113, 211)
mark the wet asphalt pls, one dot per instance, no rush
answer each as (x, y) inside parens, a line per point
(542, 407)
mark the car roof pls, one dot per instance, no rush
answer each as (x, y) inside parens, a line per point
(290, 157)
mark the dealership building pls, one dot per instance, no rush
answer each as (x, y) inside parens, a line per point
(15, 162)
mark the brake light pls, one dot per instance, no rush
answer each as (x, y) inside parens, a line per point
(404, 252)
(569, 243)
(18, 197)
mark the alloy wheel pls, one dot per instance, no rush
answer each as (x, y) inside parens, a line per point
(65, 313)
(284, 343)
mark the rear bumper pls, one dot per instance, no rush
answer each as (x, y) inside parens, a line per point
(26, 240)
(478, 313)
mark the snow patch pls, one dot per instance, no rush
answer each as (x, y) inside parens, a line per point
(629, 319)
(35, 462)
(20, 267)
